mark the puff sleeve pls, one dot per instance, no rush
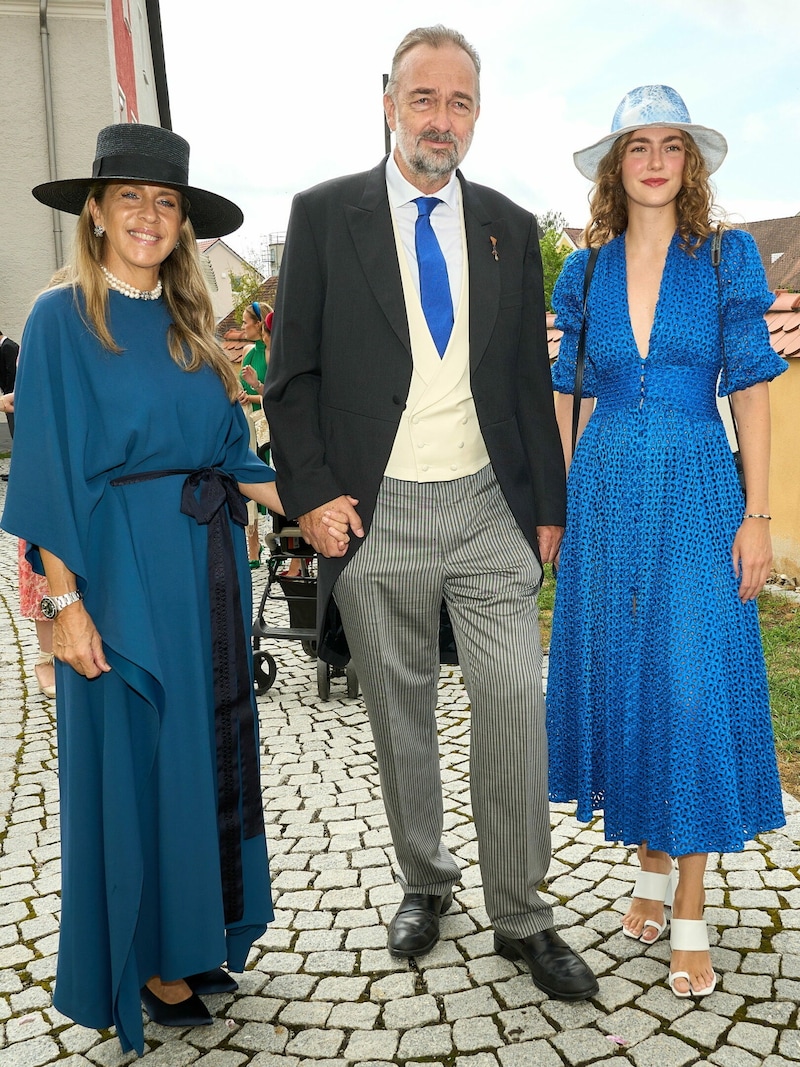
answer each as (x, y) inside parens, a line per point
(748, 357)
(568, 304)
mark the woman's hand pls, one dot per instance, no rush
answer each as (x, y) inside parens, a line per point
(249, 375)
(7, 403)
(752, 557)
(77, 643)
(322, 527)
(337, 523)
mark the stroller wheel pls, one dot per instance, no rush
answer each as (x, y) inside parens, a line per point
(352, 681)
(310, 648)
(323, 679)
(264, 670)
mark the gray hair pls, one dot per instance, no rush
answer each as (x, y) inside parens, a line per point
(436, 37)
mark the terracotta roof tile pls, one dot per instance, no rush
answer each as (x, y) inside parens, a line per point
(791, 345)
(785, 301)
(234, 344)
(265, 294)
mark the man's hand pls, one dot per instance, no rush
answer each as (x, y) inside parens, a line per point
(77, 642)
(323, 526)
(549, 538)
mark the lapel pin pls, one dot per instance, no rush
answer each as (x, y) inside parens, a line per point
(495, 253)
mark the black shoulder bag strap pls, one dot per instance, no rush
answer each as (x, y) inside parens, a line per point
(581, 356)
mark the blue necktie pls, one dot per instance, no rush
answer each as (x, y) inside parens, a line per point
(434, 287)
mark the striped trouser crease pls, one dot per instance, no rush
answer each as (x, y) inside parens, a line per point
(455, 540)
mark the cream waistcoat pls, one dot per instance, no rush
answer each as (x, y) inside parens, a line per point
(438, 438)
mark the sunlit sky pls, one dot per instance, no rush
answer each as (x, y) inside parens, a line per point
(275, 98)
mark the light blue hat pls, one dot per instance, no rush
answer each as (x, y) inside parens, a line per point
(652, 105)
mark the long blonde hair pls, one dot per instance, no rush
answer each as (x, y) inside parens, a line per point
(190, 338)
(608, 203)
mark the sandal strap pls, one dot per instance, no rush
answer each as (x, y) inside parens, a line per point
(688, 935)
(45, 659)
(652, 886)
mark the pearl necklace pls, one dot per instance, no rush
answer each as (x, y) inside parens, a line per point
(130, 290)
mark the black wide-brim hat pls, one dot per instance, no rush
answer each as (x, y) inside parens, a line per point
(131, 152)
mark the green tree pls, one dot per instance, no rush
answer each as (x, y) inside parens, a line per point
(551, 227)
(245, 288)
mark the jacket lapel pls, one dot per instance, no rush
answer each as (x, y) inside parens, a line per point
(371, 229)
(484, 270)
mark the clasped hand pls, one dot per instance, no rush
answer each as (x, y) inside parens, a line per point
(325, 528)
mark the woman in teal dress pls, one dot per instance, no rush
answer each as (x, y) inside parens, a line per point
(657, 703)
(164, 861)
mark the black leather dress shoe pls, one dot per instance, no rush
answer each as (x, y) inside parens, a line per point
(555, 968)
(414, 930)
(215, 981)
(190, 1012)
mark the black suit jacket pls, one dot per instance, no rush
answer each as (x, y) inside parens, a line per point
(340, 363)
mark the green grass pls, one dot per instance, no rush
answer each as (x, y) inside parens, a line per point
(780, 630)
(546, 597)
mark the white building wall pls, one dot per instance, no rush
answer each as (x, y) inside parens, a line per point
(84, 100)
(224, 262)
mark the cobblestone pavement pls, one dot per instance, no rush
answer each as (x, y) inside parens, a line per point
(321, 989)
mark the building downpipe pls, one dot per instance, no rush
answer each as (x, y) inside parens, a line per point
(44, 35)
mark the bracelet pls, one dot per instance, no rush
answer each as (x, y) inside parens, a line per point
(756, 516)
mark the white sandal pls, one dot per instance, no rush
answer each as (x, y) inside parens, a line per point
(45, 659)
(652, 886)
(689, 935)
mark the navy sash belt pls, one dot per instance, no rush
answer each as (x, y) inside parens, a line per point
(237, 755)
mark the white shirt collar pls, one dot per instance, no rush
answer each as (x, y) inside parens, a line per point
(401, 191)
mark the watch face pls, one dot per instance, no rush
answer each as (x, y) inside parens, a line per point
(48, 608)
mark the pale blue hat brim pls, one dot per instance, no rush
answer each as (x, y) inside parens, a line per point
(652, 106)
(711, 143)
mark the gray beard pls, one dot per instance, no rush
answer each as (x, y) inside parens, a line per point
(429, 163)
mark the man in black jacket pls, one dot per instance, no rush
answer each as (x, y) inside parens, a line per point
(409, 372)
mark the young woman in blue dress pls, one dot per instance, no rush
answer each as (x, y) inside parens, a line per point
(130, 410)
(658, 711)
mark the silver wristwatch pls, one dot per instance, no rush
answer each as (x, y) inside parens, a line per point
(51, 605)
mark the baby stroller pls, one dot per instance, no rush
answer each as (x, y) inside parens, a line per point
(299, 593)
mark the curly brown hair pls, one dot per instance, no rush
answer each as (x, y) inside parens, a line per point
(608, 203)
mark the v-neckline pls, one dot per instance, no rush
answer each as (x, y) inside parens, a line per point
(639, 356)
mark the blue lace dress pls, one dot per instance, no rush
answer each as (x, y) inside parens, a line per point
(657, 703)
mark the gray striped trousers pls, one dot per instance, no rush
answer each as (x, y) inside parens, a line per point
(456, 540)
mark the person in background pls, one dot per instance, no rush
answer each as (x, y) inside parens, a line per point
(658, 710)
(32, 588)
(164, 862)
(256, 329)
(9, 354)
(409, 369)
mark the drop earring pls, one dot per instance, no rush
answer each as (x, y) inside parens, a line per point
(99, 230)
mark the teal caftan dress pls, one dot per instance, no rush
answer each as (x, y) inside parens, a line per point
(125, 467)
